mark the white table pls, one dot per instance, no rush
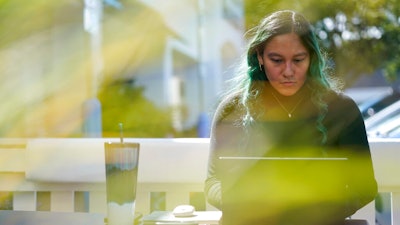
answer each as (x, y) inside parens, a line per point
(49, 218)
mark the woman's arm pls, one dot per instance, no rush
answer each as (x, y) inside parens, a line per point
(362, 186)
(224, 136)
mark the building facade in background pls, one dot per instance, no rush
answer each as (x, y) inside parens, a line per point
(176, 54)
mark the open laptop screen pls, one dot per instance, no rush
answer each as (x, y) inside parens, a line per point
(276, 188)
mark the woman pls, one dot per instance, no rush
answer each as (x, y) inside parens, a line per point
(298, 148)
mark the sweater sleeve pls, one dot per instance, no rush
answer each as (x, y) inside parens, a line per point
(362, 186)
(213, 183)
(223, 140)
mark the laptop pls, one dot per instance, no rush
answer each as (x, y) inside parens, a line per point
(270, 189)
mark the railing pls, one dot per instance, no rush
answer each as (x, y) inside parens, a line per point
(68, 175)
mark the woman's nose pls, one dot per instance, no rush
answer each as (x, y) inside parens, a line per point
(288, 69)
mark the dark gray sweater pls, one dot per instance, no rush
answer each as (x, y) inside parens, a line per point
(294, 137)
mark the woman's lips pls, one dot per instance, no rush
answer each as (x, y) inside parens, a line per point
(288, 83)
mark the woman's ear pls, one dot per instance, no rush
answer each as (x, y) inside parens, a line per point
(260, 61)
(260, 58)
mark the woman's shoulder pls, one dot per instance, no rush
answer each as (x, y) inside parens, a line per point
(340, 99)
(230, 108)
(340, 104)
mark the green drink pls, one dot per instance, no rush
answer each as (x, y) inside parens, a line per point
(121, 162)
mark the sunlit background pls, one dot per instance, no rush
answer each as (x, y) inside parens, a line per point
(79, 68)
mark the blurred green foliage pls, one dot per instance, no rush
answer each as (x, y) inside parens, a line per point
(124, 102)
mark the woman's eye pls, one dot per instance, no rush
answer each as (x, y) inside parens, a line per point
(275, 60)
(298, 60)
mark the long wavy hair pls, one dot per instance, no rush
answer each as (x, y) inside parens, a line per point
(250, 79)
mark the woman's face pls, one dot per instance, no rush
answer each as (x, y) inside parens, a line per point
(286, 62)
